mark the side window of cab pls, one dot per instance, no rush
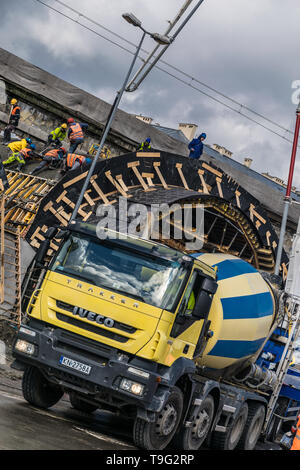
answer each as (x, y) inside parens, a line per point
(188, 301)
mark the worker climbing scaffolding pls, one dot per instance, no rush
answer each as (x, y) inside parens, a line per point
(75, 133)
(13, 120)
(145, 146)
(56, 137)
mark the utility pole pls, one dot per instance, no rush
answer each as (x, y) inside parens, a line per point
(163, 40)
(287, 199)
(133, 85)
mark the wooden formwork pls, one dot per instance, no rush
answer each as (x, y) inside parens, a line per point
(10, 277)
(18, 206)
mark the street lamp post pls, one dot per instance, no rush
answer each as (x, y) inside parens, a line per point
(130, 18)
(287, 199)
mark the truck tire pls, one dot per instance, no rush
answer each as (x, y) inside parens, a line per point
(253, 426)
(275, 426)
(228, 440)
(38, 391)
(157, 435)
(192, 438)
(81, 405)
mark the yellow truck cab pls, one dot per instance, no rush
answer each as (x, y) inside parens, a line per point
(166, 339)
(116, 322)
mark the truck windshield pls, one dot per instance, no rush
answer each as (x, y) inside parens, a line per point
(150, 279)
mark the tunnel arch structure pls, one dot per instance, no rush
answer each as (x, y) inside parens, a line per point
(235, 221)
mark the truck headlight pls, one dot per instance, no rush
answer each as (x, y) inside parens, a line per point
(25, 347)
(132, 387)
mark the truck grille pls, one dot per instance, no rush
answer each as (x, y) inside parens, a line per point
(117, 325)
(93, 329)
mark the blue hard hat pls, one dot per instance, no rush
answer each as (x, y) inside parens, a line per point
(29, 141)
(88, 161)
(203, 135)
(148, 140)
(32, 146)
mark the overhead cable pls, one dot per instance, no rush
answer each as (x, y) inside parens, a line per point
(188, 76)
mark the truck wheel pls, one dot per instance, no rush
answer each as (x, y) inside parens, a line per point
(157, 435)
(38, 391)
(228, 440)
(253, 426)
(275, 426)
(81, 405)
(193, 437)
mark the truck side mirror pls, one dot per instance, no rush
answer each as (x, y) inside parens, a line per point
(204, 298)
(44, 247)
(40, 256)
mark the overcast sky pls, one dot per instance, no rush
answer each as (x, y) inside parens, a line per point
(247, 49)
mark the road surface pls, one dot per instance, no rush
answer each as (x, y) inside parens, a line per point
(24, 427)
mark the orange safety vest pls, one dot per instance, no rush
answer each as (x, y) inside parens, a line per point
(296, 441)
(25, 152)
(52, 153)
(72, 158)
(76, 131)
(14, 110)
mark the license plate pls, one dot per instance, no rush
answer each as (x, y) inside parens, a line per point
(66, 361)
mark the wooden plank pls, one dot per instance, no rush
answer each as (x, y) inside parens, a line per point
(204, 185)
(148, 154)
(253, 212)
(133, 166)
(115, 183)
(99, 190)
(156, 166)
(75, 180)
(237, 196)
(121, 182)
(179, 169)
(212, 170)
(219, 181)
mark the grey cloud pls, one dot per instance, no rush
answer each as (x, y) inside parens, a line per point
(245, 49)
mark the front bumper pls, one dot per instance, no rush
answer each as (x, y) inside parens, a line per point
(108, 367)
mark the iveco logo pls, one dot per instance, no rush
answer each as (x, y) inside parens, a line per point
(109, 322)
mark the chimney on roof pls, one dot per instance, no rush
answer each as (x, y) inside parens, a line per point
(146, 119)
(248, 162)
(222, 150)
(189, 130)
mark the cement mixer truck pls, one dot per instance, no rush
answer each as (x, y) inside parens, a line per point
(189, 347)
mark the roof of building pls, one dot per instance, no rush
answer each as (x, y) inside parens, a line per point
(270, 193)
(174, 133)
(81, 104)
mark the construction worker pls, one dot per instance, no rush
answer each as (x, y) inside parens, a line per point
(296, 432)
(54, 156)
(105, 153)
(57, 135)
(16, 147)
(13, 120)
(75, 133)
(196, 146)
(74, 161)
(25, 155)
(145, 146)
